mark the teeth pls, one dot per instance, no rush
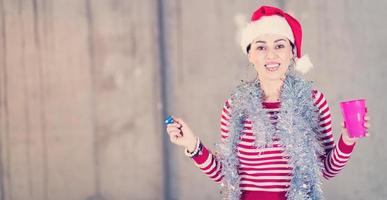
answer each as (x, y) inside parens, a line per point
(272, 65)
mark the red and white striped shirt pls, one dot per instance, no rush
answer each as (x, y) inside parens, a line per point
(265, 173)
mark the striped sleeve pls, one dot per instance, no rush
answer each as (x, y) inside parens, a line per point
(207, 161)
(336, 156)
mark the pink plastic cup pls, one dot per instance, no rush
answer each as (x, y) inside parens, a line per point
(353, 113)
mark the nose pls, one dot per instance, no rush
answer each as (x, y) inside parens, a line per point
(271, 54)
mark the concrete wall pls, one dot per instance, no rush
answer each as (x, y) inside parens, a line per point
(78, 100)
(85, 85)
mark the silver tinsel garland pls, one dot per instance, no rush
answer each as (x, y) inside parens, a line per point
(296, 129)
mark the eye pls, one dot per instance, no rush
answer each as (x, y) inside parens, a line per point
(279, 46)
(260, 48)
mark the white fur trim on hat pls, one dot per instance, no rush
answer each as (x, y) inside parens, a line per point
(273, 24)
(303, 64)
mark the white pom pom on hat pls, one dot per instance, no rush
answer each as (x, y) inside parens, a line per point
(303, 64)
(267, 19)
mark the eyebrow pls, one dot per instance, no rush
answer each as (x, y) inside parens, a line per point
(279, 40)
(260, 41)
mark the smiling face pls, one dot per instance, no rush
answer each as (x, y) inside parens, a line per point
(271, 55)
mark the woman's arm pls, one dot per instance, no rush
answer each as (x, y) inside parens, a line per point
(207, 161)
(336, 156)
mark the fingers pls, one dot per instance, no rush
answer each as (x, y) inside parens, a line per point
(179, 132)
(171, 128)
(179, 121)
(366, 119)
(367, 126)
(174, 125)
(174, 134)
(174, 128)
(174, 131)
(343, 124)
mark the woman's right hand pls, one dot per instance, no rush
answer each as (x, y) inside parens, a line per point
(180, 134)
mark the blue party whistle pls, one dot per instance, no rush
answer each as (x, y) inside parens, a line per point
(169, 120)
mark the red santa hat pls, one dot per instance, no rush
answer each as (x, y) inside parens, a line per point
(272, 20)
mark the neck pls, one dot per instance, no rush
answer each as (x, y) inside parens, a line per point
(271, 89)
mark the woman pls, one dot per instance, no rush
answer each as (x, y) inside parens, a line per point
(276, 131)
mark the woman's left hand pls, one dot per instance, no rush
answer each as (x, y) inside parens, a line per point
(349, 141)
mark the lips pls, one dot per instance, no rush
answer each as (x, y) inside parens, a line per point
(272, 66)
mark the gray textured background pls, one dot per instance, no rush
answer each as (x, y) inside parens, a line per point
(85, 85)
